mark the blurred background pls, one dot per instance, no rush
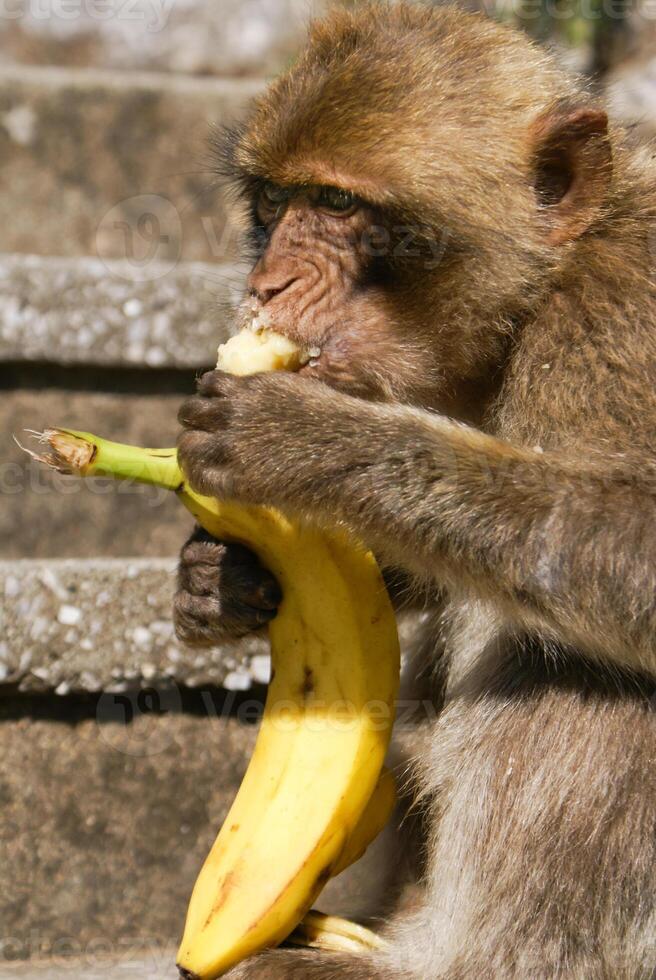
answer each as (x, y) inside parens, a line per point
(119, 268)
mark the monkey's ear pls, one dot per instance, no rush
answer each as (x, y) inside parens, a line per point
(573, 165)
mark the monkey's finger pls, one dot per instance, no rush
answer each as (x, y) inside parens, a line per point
(203, 548)
(200, 578)
(207, 414)
(207, 620)
(255, 588)
(219, 611)
(218, 384)
(252, 585)
(202, 536)
(267, 594)
(199, 450)
(232, 578)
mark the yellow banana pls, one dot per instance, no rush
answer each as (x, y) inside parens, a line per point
(373, 820)
(305, 809)
(330, 932)
(313, 796)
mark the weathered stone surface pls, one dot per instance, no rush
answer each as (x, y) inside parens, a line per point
(86, 311)
(631, 82)
(234, 37)
(101, 844)
(115, 165)
(105, 625)
(105, 825)
(157, 966)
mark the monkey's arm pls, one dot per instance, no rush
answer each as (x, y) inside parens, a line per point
(565, 544)
(408, 592)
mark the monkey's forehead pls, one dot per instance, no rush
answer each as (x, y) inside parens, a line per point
(397, 99)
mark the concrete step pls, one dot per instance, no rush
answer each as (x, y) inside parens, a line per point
(106, 819)
(79, 339)
(90, 311)
(115, 164)
(159, 965)
(105, 625)
(101, 844)
(230, 38)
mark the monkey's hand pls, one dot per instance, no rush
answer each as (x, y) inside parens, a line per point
(269, 438)
(223, 592)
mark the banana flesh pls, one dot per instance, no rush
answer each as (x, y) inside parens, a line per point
(260, 350)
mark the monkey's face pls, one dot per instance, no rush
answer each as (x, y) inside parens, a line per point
(414, 194)
(336, 274)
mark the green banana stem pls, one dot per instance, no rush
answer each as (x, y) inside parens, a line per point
(83, 454)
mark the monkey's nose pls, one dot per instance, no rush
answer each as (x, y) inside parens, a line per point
(264, 287)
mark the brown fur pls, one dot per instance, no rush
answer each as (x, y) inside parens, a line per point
(537, 520)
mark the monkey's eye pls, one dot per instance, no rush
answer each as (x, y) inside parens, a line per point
(336, 199)
(273, 195)
(271, 201)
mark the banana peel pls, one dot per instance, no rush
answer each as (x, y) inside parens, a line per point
(315, 793)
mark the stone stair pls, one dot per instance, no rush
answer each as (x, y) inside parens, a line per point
(91, 311)
(104, 625)
(119, 272)
(128, 964)
(88, 154)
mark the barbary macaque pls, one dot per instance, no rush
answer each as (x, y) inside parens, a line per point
(456, 228)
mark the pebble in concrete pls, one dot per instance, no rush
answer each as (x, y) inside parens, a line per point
(104, 624)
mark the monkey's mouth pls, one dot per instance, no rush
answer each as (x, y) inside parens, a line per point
(260, 321)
